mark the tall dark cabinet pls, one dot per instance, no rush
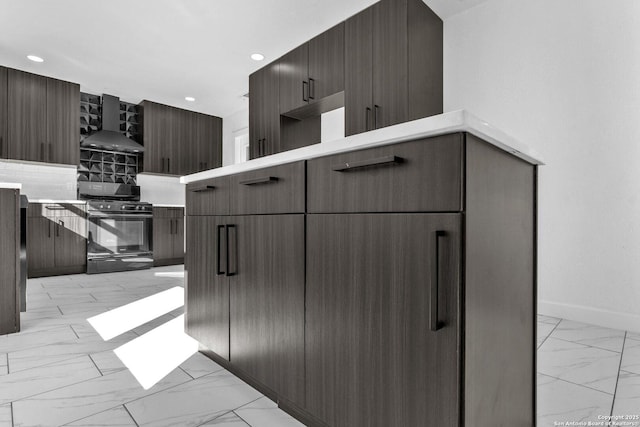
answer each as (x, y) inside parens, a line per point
(168, 235)
(9, 260)
(4, 148)
(393, 65)
(42, 118)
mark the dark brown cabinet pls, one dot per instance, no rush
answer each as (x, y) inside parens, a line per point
(393, 65)
(168, 235)
(42, 118)
(206, 291)
(56, 239)
(179, 142)
(312, 71)
(9, 260)
(407, 280)
(368, 331)
(4, 148)
(264, 116)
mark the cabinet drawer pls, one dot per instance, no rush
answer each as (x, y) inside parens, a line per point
(417, 176)
(278, 189)
(168, 212)
(208, 197)
(56, 210)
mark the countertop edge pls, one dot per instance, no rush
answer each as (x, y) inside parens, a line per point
(454, 121)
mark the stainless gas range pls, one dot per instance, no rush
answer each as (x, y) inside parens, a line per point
(119, 231)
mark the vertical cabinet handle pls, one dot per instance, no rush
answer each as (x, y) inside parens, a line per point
(367, 118)
(229, 273)
(168, 165)
(434, 323)
(312, 88)
(376, 117)
(171, 227)
(50, 152)
(42, 151)
(218, 245)
(264, 146)
(305, 91)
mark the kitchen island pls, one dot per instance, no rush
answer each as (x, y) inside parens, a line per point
(383, 279)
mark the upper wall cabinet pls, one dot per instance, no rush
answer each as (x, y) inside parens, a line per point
(264, 117)
(312, 72)
(179, 142)
(393, 65)
(42, 118)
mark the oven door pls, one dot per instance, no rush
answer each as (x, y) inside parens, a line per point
(119, 242)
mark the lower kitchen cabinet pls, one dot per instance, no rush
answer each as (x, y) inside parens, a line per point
(396, 288)
(246, 301)
(9, 260)
(168, 235)
(56, 240)
(374, 356)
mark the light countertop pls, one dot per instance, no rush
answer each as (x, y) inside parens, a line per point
(455, 121)
(75, 202)
(164, 205)
(11, 185)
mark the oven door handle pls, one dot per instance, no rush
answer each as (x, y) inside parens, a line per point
(93, 215)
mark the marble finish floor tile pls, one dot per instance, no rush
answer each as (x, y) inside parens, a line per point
(38, 356)
(633, 336)
(26, 339)
(631, 356)
(194, 403)
(227, 420)
(265, 413)
(627, 400)
(579, 364)
(107, 362)
(594, 336)
(115, 417)
(5, 415)
(77, 401)
(560, 401)
(199, 365)
(22, 384)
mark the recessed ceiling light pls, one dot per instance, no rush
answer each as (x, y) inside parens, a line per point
(257, 56)
(189, 98)
(35, 58)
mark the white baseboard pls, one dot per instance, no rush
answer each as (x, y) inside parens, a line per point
(595, 316)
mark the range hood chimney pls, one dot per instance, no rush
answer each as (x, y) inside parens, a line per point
(110, 138)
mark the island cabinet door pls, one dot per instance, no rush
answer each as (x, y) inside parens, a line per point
(266, 263)
(206, 284)
(382, 326)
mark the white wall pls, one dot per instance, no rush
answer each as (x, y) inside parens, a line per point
(40, 181)
(564, 78)
(231, 126)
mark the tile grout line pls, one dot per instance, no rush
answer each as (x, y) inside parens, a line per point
(249, 403)
(94, 364)
(576, 384)
(192, 377)
(12, 420)
(547, 337)
(124, 405)
(217, 417)
(590, 346)
(615, 390)
(74, 331)
(237, 415)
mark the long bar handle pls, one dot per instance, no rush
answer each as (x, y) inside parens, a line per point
(55, 208)
(434, 323)
(229, 273)
(49, 229)
(305, 89)
(376, 117)
(218, 271)
(261, 180)
(312, 88)
(367, 119)
(203, 188)
(378, 161)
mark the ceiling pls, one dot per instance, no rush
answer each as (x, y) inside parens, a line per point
(164, 50)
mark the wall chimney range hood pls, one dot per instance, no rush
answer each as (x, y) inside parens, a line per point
(110, 138)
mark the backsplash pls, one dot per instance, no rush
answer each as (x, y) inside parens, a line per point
(40, 180)
(161, 190)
